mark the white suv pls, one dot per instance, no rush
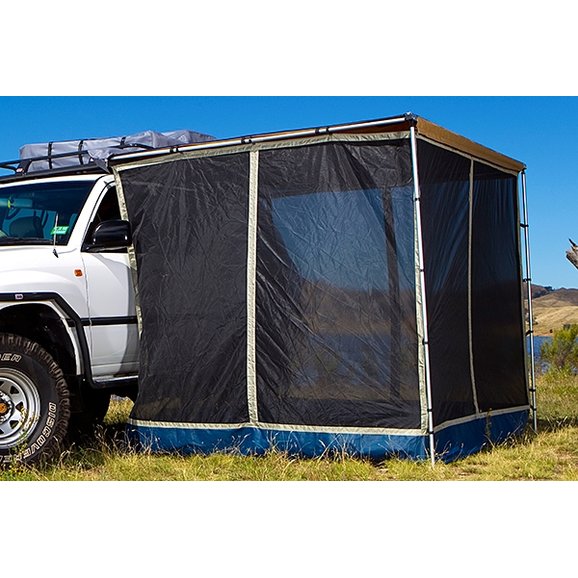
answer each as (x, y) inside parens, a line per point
(68, 325)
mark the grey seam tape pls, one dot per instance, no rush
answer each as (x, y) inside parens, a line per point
(419, 309)
(481, 415)
(251, 147)
(279, 427)
(251, 286)
(470, 329)
(131, 251)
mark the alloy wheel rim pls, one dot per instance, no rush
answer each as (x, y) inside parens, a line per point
(19, 407)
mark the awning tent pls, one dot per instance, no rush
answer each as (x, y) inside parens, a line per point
(355, 288)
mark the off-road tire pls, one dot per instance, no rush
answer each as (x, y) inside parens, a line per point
(34, 403)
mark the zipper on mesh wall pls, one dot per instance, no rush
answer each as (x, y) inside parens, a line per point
(528, 281)
(421, 268)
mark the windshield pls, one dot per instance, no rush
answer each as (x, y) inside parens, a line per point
(41, 213)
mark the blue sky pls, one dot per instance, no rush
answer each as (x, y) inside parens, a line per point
(539, 131)
(368, 47)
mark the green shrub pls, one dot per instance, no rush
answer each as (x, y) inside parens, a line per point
(561, 354)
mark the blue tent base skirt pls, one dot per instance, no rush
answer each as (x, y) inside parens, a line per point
(463, 439)
(452, 442)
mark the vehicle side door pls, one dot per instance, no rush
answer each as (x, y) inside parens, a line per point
(111, 302)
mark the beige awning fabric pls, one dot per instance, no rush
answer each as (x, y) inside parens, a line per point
(438, 134)
(455, 141)
(400, 124)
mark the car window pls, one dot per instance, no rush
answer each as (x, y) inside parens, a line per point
(41, 213)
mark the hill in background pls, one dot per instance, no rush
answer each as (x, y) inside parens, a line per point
(553, 308)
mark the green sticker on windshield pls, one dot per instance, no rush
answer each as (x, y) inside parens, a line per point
(61, 230)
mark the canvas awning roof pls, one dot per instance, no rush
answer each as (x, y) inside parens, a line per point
(401, 123)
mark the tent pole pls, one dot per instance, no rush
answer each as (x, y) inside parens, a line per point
(528, 280)
(417, 196)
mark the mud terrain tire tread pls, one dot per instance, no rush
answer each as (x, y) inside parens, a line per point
(52, 388)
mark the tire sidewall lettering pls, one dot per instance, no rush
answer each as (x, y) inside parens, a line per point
(48, 380)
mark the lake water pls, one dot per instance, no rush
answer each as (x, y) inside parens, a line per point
(538, 340)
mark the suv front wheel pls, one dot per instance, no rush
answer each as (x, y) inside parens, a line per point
(34, 402)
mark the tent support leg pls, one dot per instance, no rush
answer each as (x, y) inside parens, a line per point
(528, 281)
(420, 257)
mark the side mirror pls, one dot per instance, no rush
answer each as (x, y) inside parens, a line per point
(110, 236)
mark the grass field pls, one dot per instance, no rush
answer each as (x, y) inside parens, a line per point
(551, 454)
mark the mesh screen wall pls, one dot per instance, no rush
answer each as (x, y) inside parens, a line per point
(280, 305)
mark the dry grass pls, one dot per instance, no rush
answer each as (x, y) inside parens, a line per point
(550, 318)
(552, 454)
(554, 310)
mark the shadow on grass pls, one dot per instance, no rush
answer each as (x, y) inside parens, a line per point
(556, 423)
(92, 448)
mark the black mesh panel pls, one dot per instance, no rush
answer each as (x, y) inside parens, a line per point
(496, 292)
(445, 183)
(189, 222)
(336, 337)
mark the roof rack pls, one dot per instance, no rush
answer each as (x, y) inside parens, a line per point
(21, 167)
(89, 155)
(92, 168)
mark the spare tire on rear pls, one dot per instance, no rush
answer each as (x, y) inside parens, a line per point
(34, 402)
